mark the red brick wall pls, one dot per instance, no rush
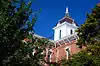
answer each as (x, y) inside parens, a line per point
(59, 52)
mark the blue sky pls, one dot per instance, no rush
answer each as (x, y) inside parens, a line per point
(54, 10)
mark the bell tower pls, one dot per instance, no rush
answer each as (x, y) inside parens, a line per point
(65, 27)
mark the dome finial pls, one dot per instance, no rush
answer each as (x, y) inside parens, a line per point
(66, 10)
(67, 13)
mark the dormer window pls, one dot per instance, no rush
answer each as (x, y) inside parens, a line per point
(71, 31)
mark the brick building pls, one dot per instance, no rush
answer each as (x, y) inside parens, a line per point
(65, 39)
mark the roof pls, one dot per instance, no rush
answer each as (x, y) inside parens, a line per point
(38, 36)
(67, 19)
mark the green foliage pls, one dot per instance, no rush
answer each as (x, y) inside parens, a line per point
(16, 21)
(89, 35)
(24, 55)
(88, 57)
(14, 25)
(89, 31)
(4, 3)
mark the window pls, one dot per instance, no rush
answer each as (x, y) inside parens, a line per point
(67, 52)
(50, 54)
(60, 34)
(71, 32)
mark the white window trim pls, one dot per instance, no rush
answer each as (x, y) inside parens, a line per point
(50, 55)
(67, 52)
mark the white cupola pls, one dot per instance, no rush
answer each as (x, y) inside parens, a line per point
(65, 27)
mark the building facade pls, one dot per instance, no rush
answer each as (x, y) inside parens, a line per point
(65, 39)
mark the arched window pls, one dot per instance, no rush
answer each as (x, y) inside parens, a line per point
(71, 32)
(60, 34)
(67, 52)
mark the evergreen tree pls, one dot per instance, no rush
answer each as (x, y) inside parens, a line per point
(89, 32)
(89, 36)
(14, 25)
(30, 53)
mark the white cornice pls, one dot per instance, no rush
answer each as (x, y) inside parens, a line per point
(65, 23)
(59, 25)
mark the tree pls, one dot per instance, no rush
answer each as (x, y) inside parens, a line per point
(89, 36)
(4, 3)
(14, 25)
(30, 53)
(89, 31)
